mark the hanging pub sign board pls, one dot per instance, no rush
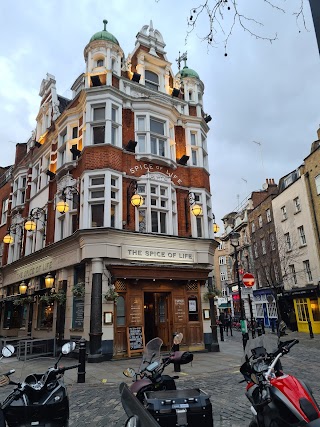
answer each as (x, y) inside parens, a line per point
(135, 339)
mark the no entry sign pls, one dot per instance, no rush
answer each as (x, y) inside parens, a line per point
(248, 280)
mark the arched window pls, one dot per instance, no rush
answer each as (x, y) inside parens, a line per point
(121, 313)
(151, 80)
(100, 63)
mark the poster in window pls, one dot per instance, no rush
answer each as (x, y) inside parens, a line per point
(192, 305)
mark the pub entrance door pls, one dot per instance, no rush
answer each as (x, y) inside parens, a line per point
(158, 317)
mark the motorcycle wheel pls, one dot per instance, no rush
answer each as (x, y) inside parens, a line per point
(253, 424)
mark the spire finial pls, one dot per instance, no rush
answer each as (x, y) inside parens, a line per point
(105, 24)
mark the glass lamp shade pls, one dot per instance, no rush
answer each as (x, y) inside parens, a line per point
(196, 210)
(234, 239)
(23, 288)
(62, 206)
(216, 228)
(8, 239)
(136, 200)
(30, 225)
(49, 281)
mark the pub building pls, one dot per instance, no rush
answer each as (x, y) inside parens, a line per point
(106, 217)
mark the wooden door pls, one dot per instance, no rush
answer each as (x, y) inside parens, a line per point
(162, 318)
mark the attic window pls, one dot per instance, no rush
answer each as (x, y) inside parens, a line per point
(151, 80)
(100, 63)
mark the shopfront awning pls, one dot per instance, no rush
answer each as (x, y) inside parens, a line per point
(225, 305)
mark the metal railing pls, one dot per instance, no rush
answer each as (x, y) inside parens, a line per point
(33, 348)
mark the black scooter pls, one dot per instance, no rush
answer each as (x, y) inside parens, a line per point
(40, 400)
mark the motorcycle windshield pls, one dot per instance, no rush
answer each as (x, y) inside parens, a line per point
(256, 345)
(151, 353)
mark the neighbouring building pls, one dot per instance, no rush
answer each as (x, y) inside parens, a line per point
(297, 247)
(267, 269)
(110, 200)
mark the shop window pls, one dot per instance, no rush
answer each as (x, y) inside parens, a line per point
(193, 309)
(121, 313)
(302, 310)
(45, 315)
(315, 309)
(12, 316)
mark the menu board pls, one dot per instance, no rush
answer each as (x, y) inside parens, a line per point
(179, 310)
(135, 312)
(78, 313)
(135, 339)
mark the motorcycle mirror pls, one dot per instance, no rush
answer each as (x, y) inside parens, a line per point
(8, 350)
(133, 421)
(4, 380)
(129, 372)
(178, 338)
(68, 347)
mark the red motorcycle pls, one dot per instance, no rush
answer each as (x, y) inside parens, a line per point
(277, 399)
(150, 374)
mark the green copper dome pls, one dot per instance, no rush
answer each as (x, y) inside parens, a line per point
(188, 72)
(104, 35)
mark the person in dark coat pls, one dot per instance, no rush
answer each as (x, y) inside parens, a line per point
(222, 319)
(228, 321)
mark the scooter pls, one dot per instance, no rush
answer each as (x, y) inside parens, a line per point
(41, 399)
(150, 374)
(277, 399)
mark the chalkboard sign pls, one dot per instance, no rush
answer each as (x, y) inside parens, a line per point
(135, 339)
(78, 313)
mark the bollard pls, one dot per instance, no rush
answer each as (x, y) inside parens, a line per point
(262, 326)
(82, 361)
(310, 329)
(176, 347)
(272, 325)
(259, 329)
(221, 332)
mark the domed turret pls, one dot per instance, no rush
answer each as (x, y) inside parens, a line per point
(188, 72)
(104, 35)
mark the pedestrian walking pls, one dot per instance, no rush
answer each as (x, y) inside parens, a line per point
(228, 321)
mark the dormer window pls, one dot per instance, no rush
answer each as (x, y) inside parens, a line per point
(100, 63)
(151, 80)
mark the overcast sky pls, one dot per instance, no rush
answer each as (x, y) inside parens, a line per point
(264, 92)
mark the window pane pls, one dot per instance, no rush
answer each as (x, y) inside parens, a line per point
(96, 194)
(193, 139)
(99, 113)
(154, 222)
(121, 313)
(194, 158)
(98, 135)
(154, 145)
(161, 148)
(162, 222)
(199, 226)
(112, 216)
(114, 114)
(97, 214)
(141, 143)
(114, 135)
(97, 181)
(149, 75)
(156, 126)
(141, 123)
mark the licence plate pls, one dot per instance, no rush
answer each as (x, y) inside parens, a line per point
(180, 406)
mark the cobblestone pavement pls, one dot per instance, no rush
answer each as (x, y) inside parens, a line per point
(97, 402)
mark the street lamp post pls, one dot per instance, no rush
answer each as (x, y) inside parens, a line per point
(214, 346)
(234, 240)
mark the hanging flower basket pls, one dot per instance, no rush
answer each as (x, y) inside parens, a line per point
(111, 295)
(211, 294)
(60, 297)
(23, 301)
(79, 290)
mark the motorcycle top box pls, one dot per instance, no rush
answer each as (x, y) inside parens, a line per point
(171, 408)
